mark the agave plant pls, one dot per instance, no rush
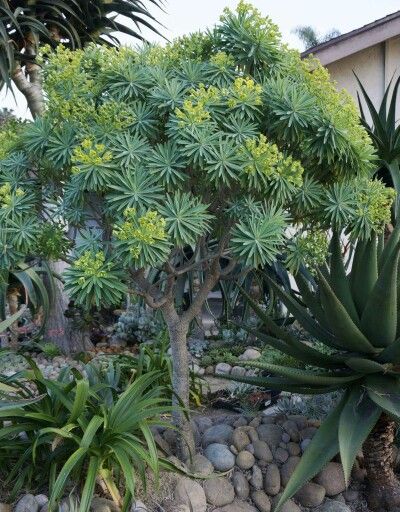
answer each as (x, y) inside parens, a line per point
(355, 314)
(80, 431)
(384, 132)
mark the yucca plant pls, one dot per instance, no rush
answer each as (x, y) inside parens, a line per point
(355, 315)
(78, 432)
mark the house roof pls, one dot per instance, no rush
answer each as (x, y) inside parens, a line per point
(356, 40)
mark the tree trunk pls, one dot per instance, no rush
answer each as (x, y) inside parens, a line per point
(383, 491)
(178, 331)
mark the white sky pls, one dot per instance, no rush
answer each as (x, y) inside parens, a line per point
(184, 16)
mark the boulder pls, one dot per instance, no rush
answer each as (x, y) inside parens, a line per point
(262, 451)
(332, 478)
(190, 493)
(245, 460)
(272, 480)
(220, 456)
(310, 495)
(27, 503)
(219, 491)
(241, 485)
(261, 501)
(220, 433)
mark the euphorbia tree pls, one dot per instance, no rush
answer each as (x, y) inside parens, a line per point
(192, 157)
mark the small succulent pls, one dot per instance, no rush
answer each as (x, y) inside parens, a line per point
(138, 324)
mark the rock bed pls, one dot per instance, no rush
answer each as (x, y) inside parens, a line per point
(259, 456)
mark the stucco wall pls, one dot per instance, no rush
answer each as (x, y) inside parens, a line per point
(374, 66)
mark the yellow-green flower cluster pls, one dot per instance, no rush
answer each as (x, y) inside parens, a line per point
(147, 229)
(192, 113)
(244, 91)
(206, 96)
(266, 160)
(113, 114)
(309, 249)
(91, 154)
(7, 195)
(374, 202)
(222, 61)
(91, 265)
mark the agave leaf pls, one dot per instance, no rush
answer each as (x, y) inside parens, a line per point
(367, 274)
(384, 391)
(323, 447)
(5, 324)
(338, 278)
(311, 300)
(390, 354)
(379, 318)
(390, 245)
(356, 274)
(307, 377)
(358, 417)
(347, 333)
(362, 365)
(302, 316)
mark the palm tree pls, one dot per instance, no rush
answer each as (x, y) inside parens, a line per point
(310, 37)
(25, 25)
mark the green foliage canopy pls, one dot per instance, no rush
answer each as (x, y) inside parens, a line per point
(153, 155)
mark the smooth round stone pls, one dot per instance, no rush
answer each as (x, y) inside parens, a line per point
(310, 495)
(262, 451)
(219, 491)
(240, 439)
(27, 503)
(220, 456)
(272, 480)
(271, 434)
(288, 468)
(288, 506)
(220, 433)
(292, 429)
(237, 506)
(293, 449)
(241, 485)
(190, 493)
(201, 465)
(285, 437)
(332, 478)
(256, 479)
(240, 422)
(333, 506)
(261, 501)
(281, 455)
(245, 460)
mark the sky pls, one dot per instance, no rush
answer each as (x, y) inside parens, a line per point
(184, 16)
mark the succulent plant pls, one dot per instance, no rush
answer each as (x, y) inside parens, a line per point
(138, 324)
(356, 315)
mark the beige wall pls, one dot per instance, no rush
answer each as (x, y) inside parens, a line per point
(374, 66)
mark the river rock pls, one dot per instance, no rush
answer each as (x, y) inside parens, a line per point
(139, 506)
(262, 451)
(272, 480)
(240, 422)
(191, 493)
(41, 499)
(261, 501)
(288, 506)
(293, 449)
(288, 468)
(245, 460)
(4, 507)
(220, 456)
(221, 434)
(291, 428)
(281, 455)
(240, 439)
(271, 434)
(256, 479)
(27, 503)
(104, 505)
(251, 354)
(310, 495)
(333, 506)
(201, 465)
(219, 491)
(332, 478)
(237, 506)
(238, 371)
(241, 485)
(223, 368)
